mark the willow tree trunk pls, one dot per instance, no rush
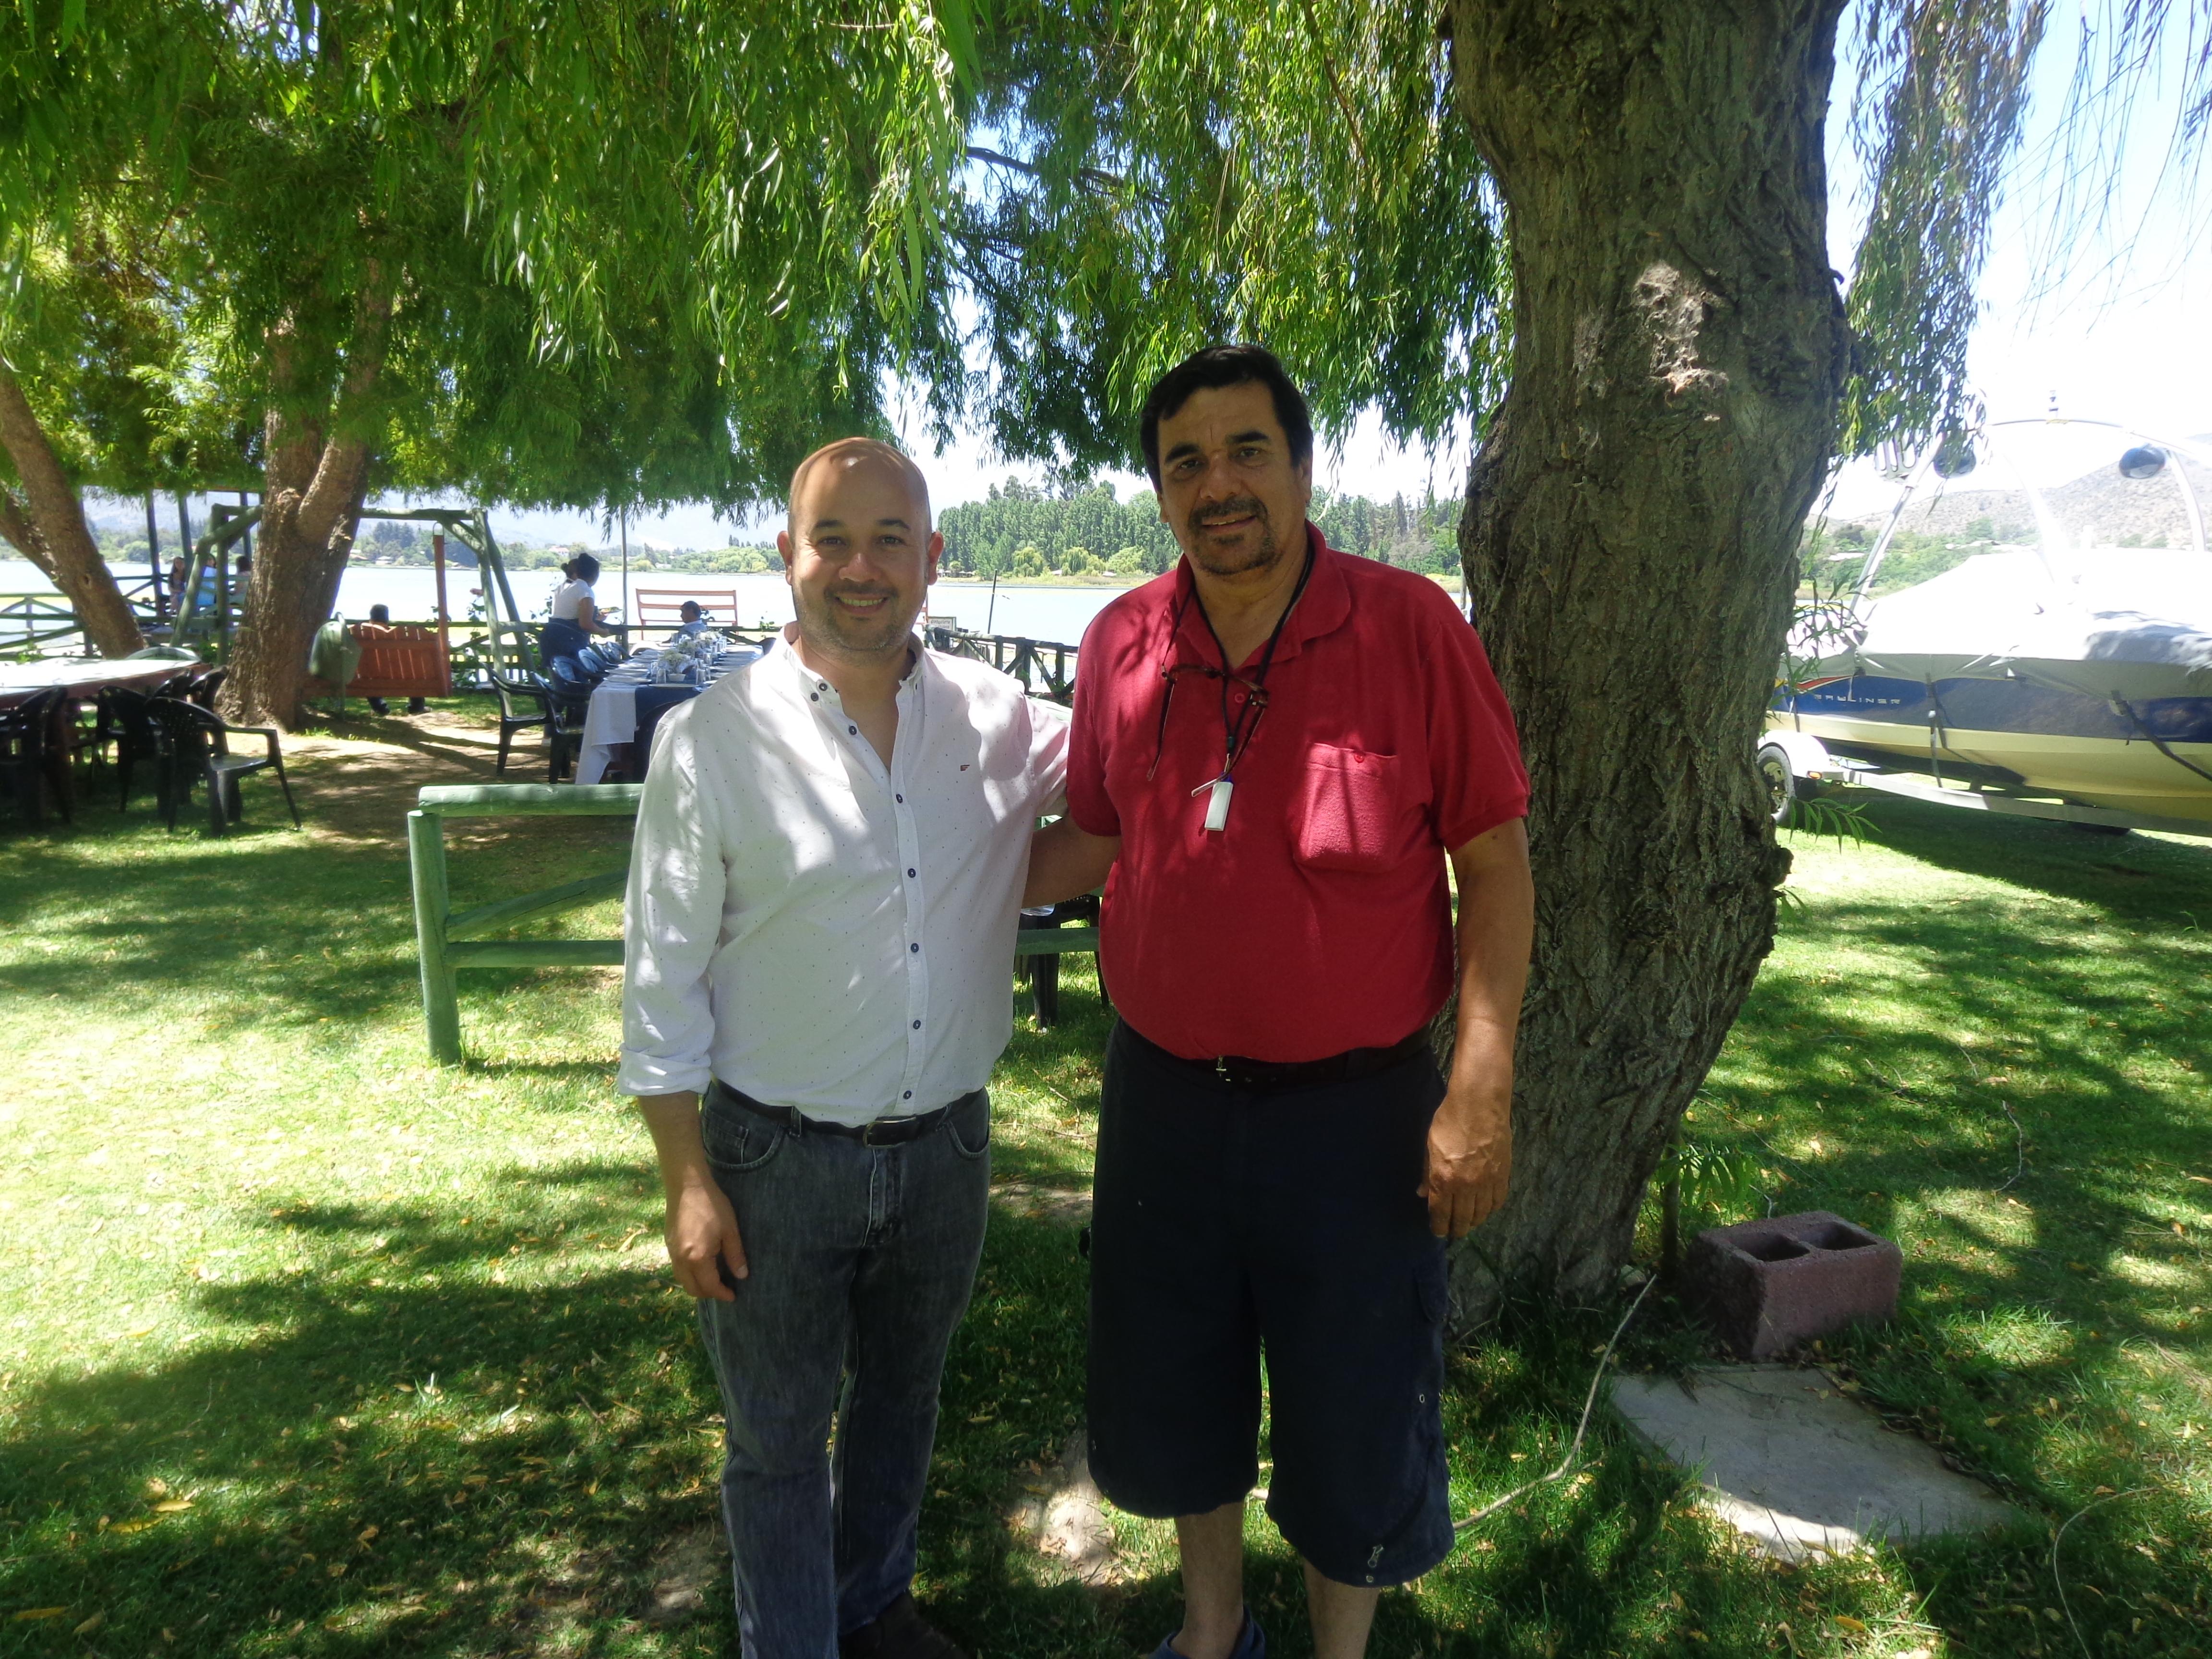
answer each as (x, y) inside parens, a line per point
(1630, 547)
(47, 526)
(315, 482)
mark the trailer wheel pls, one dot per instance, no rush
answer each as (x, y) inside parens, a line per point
(1784, 789)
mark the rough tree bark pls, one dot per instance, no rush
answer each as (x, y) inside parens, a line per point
(48, 526)
(1630, 548)
(314, 483)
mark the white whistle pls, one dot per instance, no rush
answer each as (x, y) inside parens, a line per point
(1217, 804)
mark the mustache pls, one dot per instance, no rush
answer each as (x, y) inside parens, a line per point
(1234, 504)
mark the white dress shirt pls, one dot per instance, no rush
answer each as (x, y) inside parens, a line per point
(815, 928)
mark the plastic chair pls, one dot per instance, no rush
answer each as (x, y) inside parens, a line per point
(35, 754)
(568, 700)
(198, 743)
(205, 684)
(509, 692)
(139, 740)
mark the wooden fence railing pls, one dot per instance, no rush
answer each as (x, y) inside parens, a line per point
(448, 942)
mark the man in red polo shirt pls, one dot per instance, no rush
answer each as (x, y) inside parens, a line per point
(1276, 749)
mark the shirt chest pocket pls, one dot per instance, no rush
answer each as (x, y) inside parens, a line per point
(1350, 812)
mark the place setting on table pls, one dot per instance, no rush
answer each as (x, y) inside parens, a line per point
(627, 704)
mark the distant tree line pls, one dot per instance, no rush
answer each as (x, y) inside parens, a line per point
(1021, 531)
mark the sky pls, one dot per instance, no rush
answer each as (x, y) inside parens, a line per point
(2124, 336)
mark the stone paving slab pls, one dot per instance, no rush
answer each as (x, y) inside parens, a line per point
(1797, 1466)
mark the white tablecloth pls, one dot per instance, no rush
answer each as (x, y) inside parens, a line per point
(610, 721)
(82, 676)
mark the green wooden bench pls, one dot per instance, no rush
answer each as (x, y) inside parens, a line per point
(446, 942)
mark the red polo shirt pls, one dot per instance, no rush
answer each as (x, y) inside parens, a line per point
(1318, 919)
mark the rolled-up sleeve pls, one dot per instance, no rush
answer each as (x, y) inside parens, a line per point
(1048, 730)
(672, 924)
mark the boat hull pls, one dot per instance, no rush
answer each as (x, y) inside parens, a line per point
(2096, 750)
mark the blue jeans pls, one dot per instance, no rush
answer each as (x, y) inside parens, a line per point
(862, 1258)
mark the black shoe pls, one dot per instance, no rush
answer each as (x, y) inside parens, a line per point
(899, 1631)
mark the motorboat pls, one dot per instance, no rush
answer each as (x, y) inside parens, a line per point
(2067, 668)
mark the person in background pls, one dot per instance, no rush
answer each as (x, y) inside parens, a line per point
(1280, 1162)
(576, 616)
(693, 621)
(379, 616)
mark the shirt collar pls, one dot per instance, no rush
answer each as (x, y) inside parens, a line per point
(806, 681)
(1323, 608)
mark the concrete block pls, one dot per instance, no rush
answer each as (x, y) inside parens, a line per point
(1765, 1286)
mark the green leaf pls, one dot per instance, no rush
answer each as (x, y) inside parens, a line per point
(955, 22)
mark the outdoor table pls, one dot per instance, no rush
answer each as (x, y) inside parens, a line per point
(610, 721)
(80, 677)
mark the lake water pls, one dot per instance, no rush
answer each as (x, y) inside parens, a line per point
(1056, 614)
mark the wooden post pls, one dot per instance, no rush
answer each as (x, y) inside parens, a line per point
(445, 635)
(442, 1006)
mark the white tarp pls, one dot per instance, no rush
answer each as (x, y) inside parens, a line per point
(2131, 623)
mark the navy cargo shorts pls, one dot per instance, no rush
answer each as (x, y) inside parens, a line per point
(1233, 1222)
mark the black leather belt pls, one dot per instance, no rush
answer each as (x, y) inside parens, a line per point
(881, 1132)
(1268, 1076)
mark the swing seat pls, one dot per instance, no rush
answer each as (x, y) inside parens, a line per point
(399, 659)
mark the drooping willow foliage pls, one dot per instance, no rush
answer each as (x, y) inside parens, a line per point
(606, 251)
(642, 249)
(1161, 172)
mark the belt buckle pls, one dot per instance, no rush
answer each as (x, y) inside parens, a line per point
(1221, 1068)
(868, 1130)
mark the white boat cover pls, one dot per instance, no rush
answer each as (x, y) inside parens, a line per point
(2131, 623)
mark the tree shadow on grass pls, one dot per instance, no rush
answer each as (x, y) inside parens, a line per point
(2142, 877)
(300, 930)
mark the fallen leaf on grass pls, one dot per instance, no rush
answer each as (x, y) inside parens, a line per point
(91, 1625)
(1849, 1623)
(139, 1525)
(39, 1613)
(174, 1506)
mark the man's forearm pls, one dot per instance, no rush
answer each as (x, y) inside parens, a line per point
(1065, 861)
(1497, 925)
(673, 1121)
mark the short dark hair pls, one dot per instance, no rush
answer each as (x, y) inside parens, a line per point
(584, 569)
(691, 610)
(1226, 366)
(380, 613)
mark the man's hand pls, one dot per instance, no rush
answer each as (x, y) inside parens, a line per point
(701, 1229)
(703, 1235)
(1471, 1137)
(1470, 1161)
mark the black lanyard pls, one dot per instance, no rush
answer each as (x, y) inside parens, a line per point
(1234, 734)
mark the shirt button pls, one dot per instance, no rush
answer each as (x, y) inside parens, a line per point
(812, 698)
(909, 873)
(909, 1095)
(917, 1025)
(913, 947)
(901, 799)
(854, 730)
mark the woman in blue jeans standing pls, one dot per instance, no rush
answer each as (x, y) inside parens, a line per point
(576, 616)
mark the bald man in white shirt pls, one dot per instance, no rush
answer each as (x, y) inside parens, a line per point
(822, 902)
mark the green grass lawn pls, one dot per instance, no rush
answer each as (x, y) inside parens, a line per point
(310, 1348)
